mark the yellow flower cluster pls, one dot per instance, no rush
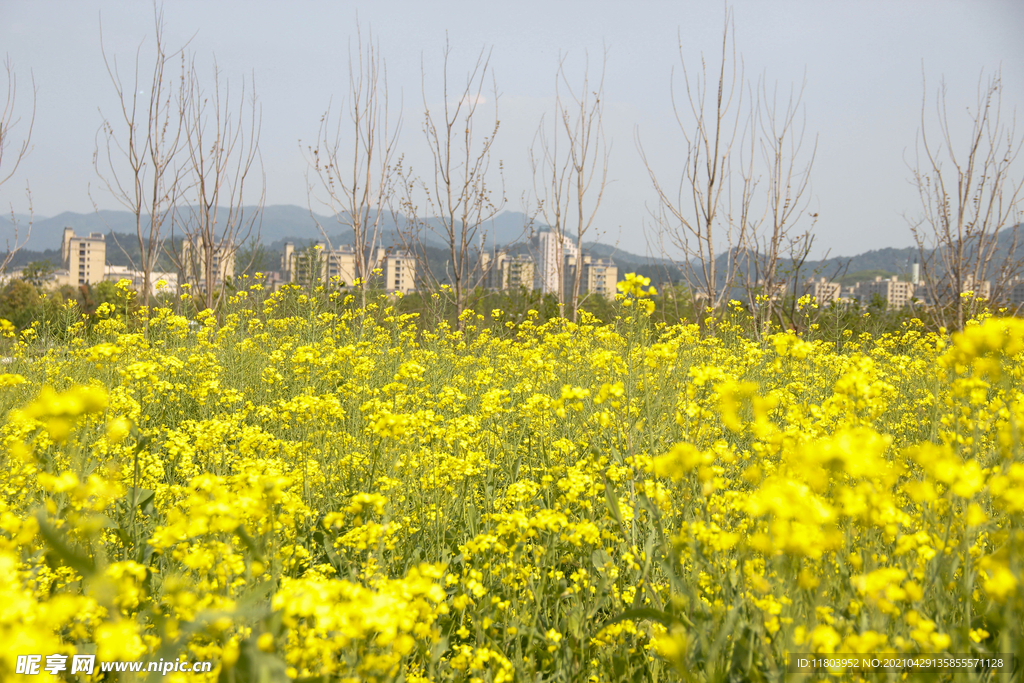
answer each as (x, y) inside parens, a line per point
(631, 290)
(306, 489)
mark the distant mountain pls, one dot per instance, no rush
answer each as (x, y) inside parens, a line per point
(289, 221)
(292, 223)
(48, 232)
(889, 260)
(900, 260)
(278, 223)
(508, 227)
(616, 254)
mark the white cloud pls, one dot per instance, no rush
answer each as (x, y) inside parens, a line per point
(473, 99)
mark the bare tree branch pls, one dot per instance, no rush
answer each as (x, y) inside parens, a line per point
(567, 171)
(458, 196)
(356, 190)
(139, 164)
(967, 232)
(10, 160)
(699, 219)
(773, 252)
(222, 145)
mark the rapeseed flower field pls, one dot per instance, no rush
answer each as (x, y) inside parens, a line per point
(304, 489)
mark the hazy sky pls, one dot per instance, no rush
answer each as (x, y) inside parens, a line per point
(863, 63)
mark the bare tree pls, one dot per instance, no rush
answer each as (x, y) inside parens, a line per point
(568, 161)
(353, 165)
(707, 213)
(10, 160)
(222, 146)
(458, 196)
(139, 154)
(967, 233)
(774, 254)
(791, 276)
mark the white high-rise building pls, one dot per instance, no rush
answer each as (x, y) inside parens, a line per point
(84, 257)
(551, 255)
(509, 272)
(893, 290)
(317, 265)
(824, 291)
(398, 269)
(598, 276)
(193, 260)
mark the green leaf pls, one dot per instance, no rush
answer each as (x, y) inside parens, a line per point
(642, 614)
(83, 564)
(248, 542)
(612, 499)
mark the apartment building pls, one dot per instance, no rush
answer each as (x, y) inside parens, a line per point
(598, 275)
(83, 257)
(399, 270)
(118, 273)
(193, 260)
(509, 272)
(1016, 292)
(774, 293)
(823, 291)
(551, 253)
(982, 289)
(896, 292)
(318, 264)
